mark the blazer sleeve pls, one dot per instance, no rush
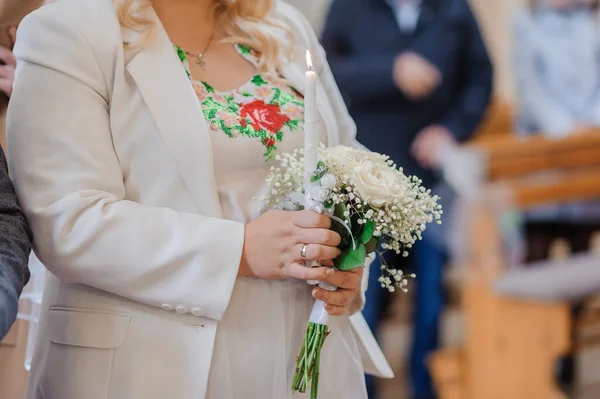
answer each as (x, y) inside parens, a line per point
(361, 78)
(69, 179)
(475, 81)
(15, 246)
(535, 103)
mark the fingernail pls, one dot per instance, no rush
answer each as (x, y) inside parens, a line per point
(315, 293)
(330, 271)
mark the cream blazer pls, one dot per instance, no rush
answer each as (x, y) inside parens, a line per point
(112, 162)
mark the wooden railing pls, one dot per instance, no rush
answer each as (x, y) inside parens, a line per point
(511, 345)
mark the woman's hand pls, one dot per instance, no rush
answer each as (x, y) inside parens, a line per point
(348, 283)
(273, 245)
(9, 63)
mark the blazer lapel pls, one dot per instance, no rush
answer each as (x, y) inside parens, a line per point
(170, 97)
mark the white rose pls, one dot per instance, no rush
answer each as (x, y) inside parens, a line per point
(377, 182)
(348, 158)
(329, 181)
(319, 193)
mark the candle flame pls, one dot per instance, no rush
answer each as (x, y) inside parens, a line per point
(309, 60)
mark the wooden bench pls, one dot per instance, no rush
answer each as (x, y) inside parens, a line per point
(511, 344)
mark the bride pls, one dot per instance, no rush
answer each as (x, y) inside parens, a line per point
(139, 134)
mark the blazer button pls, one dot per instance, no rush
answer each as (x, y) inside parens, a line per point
(197, 312)
(166, 306)
(181, 309)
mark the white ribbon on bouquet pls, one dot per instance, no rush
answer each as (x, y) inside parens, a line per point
(318, 313)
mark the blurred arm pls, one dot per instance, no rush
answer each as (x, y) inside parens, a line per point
(15, 246)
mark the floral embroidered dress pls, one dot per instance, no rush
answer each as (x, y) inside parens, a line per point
(261, 331)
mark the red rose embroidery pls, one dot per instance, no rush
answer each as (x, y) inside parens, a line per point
(263, 116)
(269, 141)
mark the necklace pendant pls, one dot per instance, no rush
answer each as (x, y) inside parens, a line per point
(201, 62)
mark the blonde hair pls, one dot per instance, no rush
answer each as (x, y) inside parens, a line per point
(247, 22)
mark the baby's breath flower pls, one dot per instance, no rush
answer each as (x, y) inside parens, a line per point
(398, 223)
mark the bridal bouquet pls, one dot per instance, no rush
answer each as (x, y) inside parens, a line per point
(373, 206)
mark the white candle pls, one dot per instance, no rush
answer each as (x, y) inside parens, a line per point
(311, 135)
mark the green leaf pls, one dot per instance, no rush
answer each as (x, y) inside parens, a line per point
(340, 210)
(355, 226)
(340, 229)
(351, 259)
(208, 87)
(320, 172)
(328, 205)
(293, 124)
(367, 232)
(212, 114)
(180, 53)
(372, 245)
(258, 80)
(244, 49)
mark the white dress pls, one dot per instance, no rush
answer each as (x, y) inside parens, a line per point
(263, 327)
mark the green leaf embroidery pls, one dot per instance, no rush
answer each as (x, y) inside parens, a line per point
(293, 124)
(212, 113)
(247, 130)
(351, 259)
(258, 80)
(210, 103)
(208, 87)
(279, 135)
(281, 98)
(367, 232)
(270, 153)
(180, 53)
(228, 131)
(246, 94)
(244, 49)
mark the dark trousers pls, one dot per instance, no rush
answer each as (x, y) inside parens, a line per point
(429, 262)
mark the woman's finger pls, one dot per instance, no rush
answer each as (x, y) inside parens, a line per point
(311, 219)
(313, 252)
(301, 272)
(7, 56)
(341, 297)
(335, 310)
(6, 86)
(348, 280)
(318, 236)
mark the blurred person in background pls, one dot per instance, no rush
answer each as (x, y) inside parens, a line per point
(557, 66)
(417, 78)
(15, 236)
(15, 246)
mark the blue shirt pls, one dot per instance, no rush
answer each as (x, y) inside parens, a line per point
(407, 13)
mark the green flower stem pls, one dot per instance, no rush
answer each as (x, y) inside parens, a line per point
(308, 360)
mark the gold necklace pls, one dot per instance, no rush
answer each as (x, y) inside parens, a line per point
(199, 56)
